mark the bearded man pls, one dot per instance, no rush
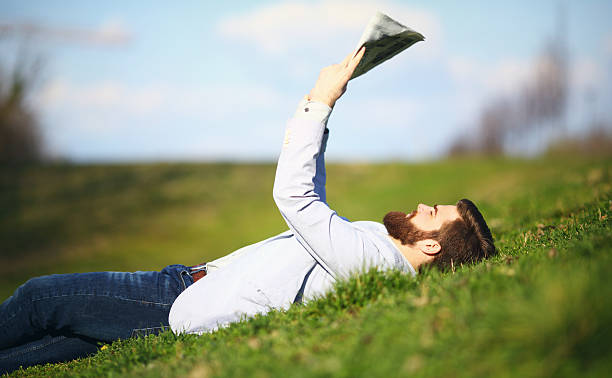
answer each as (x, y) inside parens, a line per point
(62, 317)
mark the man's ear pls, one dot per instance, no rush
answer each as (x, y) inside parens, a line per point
(429, 246)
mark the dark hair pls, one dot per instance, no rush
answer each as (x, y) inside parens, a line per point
(464, 240)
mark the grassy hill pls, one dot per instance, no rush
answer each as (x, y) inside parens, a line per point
(543, 307)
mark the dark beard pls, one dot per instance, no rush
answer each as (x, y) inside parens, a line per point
(399, 226)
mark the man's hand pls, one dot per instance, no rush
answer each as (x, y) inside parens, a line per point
(333, 79)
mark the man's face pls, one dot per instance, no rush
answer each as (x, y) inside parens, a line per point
(427, 218)
(421, 224)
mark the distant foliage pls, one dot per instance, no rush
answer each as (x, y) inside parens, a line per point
(540, 103)
(20, 139)
(597, 142)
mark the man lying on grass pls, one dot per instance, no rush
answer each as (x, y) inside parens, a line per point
(61, 317)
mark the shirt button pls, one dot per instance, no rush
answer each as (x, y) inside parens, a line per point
(306, 110)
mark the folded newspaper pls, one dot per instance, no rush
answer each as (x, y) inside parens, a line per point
(383, 38)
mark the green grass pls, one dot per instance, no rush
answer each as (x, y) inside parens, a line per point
(543, 307)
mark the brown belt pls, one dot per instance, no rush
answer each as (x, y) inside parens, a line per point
(198, 271)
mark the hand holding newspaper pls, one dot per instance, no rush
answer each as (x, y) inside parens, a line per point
(383, 38)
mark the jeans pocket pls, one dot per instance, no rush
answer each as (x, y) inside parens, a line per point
(142, 332)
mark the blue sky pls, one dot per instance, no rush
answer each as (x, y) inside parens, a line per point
(132, 81)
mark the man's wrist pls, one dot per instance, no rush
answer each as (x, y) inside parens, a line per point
(322, 99)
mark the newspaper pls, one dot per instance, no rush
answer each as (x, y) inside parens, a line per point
(383, 38)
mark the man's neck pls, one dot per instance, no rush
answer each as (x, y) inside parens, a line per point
(414, 256)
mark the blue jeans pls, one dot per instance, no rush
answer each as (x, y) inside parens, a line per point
(66, 316)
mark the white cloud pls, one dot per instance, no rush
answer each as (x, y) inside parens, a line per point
(111, 32)
(286, 27)
(112, 97)
(508, 75)
(105, 95)
(504, 76)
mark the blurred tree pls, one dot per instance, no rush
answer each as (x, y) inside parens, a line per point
(540, 103)
(20, 138)
(496, 120)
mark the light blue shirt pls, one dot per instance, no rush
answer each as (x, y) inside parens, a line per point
(301, 263)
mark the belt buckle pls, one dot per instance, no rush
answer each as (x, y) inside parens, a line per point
(198, 268)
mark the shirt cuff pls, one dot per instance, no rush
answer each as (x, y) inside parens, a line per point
(313, 110)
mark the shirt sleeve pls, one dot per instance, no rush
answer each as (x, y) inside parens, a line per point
(299, 189)
(317, 112)
(313, 110)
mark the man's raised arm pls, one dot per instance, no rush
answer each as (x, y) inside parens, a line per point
(334, 242)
